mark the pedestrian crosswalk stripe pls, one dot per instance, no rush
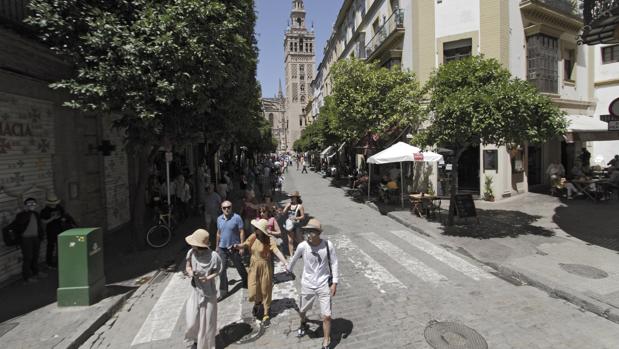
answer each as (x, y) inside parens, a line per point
(162, 318)
(410, 263)
(376, 273)
(443, 255)
(229, 310)
(284, 290)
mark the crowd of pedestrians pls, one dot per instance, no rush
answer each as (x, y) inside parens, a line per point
(266, 241)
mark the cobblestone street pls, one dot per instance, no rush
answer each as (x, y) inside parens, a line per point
(394, 283)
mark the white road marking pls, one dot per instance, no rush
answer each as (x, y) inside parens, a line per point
(283, 290)
(444, 256)
(410, 263)
(372, 270)
(161, 320)
(229, 310)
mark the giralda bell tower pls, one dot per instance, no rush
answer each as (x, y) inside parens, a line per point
(299, 46)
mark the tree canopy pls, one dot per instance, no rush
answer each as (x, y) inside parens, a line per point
(477, 101)
(168, 69)
(369, 98)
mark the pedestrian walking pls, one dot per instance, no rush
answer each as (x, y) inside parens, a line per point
(267, 212)
(212, 206)
(56, 220)
(202, 266)
(319, 279)
(260, 282)
(297, 160)
(303, 165)
(296, 214)
(229, 233)
(29, 229)
(183, 195)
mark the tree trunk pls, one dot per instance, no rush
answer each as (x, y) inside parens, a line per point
(454, 185)
(138, 210)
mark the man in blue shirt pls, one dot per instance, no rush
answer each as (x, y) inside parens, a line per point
(229, 233)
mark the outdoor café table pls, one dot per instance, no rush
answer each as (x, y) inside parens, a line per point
(421, 204)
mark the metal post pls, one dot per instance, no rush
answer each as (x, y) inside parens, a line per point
(369, 179)
(401, 184)
(167, 176)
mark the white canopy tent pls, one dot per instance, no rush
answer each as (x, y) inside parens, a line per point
(400, 152)
(326, 152)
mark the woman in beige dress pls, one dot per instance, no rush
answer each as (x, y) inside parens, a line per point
(260, 280)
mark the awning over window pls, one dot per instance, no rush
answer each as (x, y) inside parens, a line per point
(326, 151)
(586, 128)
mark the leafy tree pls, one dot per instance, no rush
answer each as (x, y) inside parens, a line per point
(368, 98)
(477, 101)
(319, 135)
(168, 69)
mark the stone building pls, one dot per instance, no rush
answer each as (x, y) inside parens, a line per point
(537, 40)
(46, 148)
(274, 110)
(299, 45)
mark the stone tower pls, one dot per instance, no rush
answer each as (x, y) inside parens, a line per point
(299, 46)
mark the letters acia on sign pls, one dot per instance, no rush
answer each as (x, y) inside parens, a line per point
(15, 129)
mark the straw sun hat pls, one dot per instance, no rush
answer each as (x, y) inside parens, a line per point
(295, 194)
(313, 224)
(199, 238)
(261, 224)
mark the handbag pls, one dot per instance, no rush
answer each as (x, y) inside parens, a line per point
(329, 262)
(290, 224)
(10, 234)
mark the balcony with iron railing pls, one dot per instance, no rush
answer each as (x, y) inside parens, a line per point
(393, 26)
(570, 7)
(601, 22)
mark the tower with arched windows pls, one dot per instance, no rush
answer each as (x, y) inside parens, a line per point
(299, 46)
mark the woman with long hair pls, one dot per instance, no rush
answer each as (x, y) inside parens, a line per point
(296, 214)
(260, 276)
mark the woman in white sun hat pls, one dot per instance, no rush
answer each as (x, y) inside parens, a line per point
(203, 265)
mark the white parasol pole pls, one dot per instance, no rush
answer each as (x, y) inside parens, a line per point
(401, 184)
(369, 179)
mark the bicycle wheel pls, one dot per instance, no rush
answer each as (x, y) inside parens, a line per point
(158, 236)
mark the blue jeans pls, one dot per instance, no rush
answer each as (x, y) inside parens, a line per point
(225, 254)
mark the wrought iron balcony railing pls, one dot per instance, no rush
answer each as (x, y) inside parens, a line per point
(598, 9)
(393, 23)
(601, 22)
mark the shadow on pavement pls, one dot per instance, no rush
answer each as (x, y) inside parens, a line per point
(340, 329)
(498, 224)
(235, 332)
(594, 223)
(122, 265)
(278, 306)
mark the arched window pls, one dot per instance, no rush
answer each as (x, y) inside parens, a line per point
(271, 119)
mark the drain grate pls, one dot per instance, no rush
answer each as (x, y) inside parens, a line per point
(452, 335)
(5, 328)
(585, 271)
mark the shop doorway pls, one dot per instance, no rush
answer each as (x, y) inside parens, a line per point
(534, 165)
(468, 171)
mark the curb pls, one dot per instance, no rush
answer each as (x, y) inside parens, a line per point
(83, 335)
(556, 291)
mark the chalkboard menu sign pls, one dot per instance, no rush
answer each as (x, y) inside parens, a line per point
(465, 207)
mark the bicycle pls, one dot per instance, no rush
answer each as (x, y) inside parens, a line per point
(160, 234)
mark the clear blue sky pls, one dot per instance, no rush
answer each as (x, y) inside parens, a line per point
(270, 28)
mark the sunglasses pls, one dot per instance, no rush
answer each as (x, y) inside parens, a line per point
(226, 207)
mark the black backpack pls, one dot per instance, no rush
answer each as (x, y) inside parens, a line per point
(10, 235)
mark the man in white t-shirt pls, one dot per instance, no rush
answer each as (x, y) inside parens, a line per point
(319, 279)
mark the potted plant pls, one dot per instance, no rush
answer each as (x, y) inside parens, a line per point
(488, 192)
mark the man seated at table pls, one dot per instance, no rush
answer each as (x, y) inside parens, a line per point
(386, 184)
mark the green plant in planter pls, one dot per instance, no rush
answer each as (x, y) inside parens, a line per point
(488, 192)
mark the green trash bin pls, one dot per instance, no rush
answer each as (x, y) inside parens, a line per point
(81, 280)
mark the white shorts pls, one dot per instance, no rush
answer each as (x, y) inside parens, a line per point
(308, 295)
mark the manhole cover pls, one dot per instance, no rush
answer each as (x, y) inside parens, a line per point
(585, 271)
(5, 328)
(452, 335)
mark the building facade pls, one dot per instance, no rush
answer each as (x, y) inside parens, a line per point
(46, 148)
(274, 110)
(537, 40)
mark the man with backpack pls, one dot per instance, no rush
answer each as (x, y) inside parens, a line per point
(319, 279)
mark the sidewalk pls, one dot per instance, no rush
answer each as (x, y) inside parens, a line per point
(566, 248)
(45, 325)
